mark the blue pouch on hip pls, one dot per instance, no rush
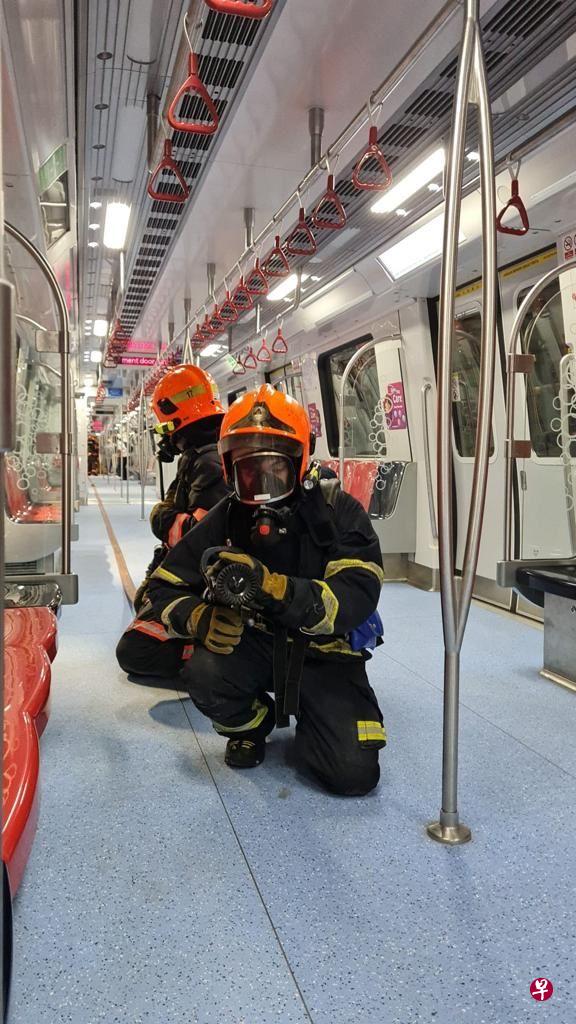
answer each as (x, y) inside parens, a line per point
(366, 636)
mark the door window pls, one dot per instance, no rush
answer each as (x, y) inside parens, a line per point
(466, 348)
(361, 398)
(543, 336)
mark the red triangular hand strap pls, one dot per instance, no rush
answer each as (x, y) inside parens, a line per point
(252, 9)
(514, 203)
(301, 241)
(264, 354)
(329, 214)
(276, 264)
(228, 312)
(167, 163)
(241, 297)
(372, 161)
(256, 283)
(279, 345)
(216, 322)
(193, 87)
(250, 360)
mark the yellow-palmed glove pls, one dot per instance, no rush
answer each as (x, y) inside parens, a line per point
(218, 629)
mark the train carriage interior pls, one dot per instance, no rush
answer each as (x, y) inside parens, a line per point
(362, 210)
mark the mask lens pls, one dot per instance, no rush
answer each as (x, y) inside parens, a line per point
(263, 477)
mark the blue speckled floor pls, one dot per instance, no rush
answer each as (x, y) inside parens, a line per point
(164, 888)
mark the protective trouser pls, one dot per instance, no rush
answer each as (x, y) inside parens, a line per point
(339, 728)
(146, 649)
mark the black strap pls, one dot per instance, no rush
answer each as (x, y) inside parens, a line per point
(288, 663)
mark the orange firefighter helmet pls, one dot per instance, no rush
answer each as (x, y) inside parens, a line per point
(185, 395)
(264, 422)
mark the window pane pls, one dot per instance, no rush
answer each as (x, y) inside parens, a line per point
(542, 335)
(466, 383)
(361, 398)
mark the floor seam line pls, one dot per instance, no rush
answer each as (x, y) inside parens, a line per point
(248, 866)
(125, 577)
(482, 718)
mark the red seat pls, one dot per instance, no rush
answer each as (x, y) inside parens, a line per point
(27, 675)
(27, 627)
(359, 478)
(19, 790)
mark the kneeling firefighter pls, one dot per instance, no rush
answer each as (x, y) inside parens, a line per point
(189, 414)
(278, 587)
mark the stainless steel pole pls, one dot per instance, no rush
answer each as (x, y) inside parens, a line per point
(143, 460)
(66, 441)
(470, 87)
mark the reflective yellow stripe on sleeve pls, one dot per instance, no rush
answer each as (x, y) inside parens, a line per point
(164, 574)
(340, 564)
(165, 617)
(331, 606)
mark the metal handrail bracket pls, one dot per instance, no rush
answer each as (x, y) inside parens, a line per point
(471, 88)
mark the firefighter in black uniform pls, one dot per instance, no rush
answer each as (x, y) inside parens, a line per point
(272, 588)
(189, 414)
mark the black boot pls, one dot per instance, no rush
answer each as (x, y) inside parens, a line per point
(245, 753)
(249, 749)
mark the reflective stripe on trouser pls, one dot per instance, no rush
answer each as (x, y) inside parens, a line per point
(147, 652)
(334, 697)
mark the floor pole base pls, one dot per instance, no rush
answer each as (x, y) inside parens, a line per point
(449, 835)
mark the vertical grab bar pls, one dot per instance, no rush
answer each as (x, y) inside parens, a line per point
(471, 87)
(425, 391)
(65, 389)
(143, 459)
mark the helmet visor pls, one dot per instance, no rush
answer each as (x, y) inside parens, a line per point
(263, 477)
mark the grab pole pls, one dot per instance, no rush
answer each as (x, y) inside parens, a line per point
(471, 87)
(143, 460)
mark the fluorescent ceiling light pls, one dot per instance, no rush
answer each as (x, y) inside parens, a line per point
(100, 328)
(93, 245)
(416, 249)
(116, 225)
(413, 182)
(473, 155)
(401, 213)
(327, 287)
(284, 289)
(96, 356)
(95, 205)
(556, 186)
(213, 349)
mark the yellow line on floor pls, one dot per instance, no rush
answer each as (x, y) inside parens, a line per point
(125, 577)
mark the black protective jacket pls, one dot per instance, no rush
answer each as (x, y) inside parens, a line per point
(330, 553)
(198, 486)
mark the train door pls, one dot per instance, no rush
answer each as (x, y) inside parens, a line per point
(378, 465)
(542, 528)
(465, 395)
